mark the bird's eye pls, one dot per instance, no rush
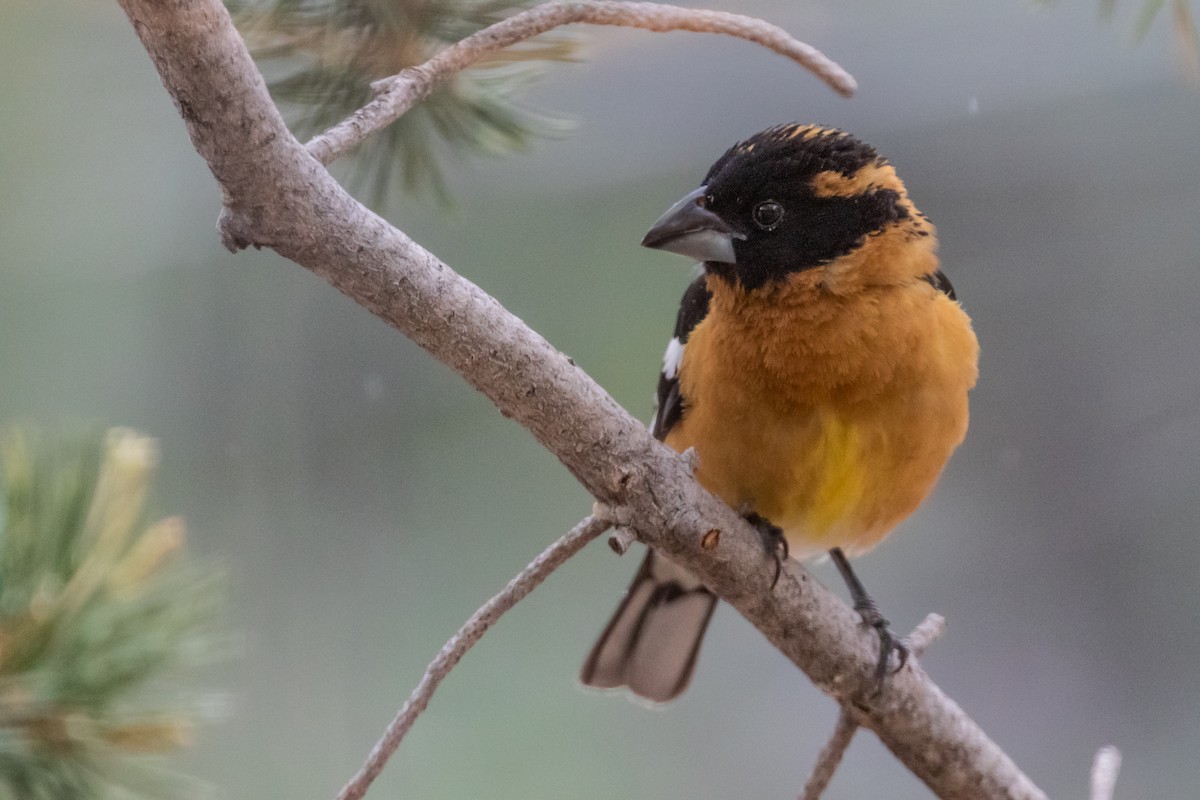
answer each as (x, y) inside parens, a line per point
(767, 214)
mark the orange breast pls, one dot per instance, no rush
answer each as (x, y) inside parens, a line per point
(831, 417)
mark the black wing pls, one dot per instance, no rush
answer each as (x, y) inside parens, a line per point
(692, 308)
(651, 643)
(939, 281)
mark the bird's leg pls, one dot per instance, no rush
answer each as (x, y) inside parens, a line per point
(773, 540)
(866, 608)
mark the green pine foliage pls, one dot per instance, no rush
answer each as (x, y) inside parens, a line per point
(321, 57)
(98, 613)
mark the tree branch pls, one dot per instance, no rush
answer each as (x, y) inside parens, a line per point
(458, 645)
(277, 195)
(398, 94)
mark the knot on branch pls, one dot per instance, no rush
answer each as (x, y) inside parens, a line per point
(234, 231)
(621, 541)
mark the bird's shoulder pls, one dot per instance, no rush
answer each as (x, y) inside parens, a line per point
(693, 308)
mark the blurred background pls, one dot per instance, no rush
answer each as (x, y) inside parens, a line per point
(366, 501)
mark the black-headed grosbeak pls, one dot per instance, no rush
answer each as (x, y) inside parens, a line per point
(820, 368)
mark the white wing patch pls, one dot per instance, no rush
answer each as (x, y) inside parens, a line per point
(672, 359)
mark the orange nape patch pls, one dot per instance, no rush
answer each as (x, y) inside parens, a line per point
(879, 175)
(900, 254)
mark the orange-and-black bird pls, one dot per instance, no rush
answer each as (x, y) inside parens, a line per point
(820, 368)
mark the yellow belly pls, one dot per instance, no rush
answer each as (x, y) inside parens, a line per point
(828, 480)
(834, 461)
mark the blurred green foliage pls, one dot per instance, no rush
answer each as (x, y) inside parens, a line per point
(96, 608)
(323, 56)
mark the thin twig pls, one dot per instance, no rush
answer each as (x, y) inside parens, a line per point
(471, 632)
(925, 634)
(1104, 773)
(398, 94)
(621, 521)
(922, 636)
(831, 756)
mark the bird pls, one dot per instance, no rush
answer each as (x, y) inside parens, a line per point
(819, 370)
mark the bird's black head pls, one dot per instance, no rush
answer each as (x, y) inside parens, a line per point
(785, 200)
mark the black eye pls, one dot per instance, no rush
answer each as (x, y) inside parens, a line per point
(767, 214)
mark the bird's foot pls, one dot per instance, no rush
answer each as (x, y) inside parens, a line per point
(889, 642)
(774, 541)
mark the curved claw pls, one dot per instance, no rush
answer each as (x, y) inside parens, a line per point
(888, 643)
(775, 543)
(871, 616)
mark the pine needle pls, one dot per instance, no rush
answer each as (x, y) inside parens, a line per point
(95, 607)
(324, 55)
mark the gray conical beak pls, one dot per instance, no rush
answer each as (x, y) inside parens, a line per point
(690, 229)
